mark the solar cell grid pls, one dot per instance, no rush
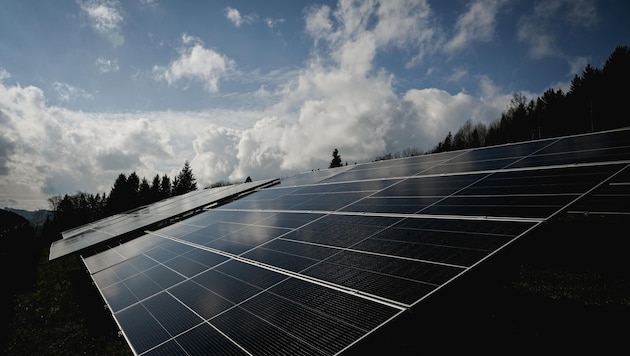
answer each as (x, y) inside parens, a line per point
(260, 337)
(141, 328)
(426, 252)
(313, 267)
(429, 186)
(164, 276)
(599, 147)
(205, 337)
(220, 298)
(227, 287)
(391, 288)
(141, 218)
(392, 168)
(609, 199)
(282, 260)
(200, 299)
(471, 166)
(399, 205)
(325, 333)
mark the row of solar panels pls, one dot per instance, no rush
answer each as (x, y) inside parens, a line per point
(314, 264)
(92, 234)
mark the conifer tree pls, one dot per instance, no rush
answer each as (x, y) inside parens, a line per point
(155, 189)
(165, 187)
(185, 182)
(336, 160)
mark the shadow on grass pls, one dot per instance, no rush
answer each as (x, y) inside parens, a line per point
(58, 315)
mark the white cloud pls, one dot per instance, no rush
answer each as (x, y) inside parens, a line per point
(67, 93)
(47, 150)
(196, 63)
(58, 151)
(105, 18)
(577, 65)
(236, 18)
(340, 100)
(107, 65)
(216, 150)
(336, 99)
(355, 30)
(272, 23)
(477, 24)
(148, 2)
(457, 75)
(536, 29)
(4, 75)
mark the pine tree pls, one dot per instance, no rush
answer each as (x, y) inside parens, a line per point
(336, 160)
(144, 191)
(165, 187)
(116, 202)
(185, 182)
(155, 189)
(133, 191)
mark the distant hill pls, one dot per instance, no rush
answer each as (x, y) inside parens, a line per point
(36, 218)
(9, 220)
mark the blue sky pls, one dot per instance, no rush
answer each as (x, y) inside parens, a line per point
(93, 88)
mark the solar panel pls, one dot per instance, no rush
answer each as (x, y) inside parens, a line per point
(610, 199)
(141, 218)
(316, 263)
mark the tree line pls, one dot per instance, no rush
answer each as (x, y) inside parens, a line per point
(128, 192)
(595, 102)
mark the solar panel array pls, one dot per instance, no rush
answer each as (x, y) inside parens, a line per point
(316, 263)
(88, 235)
(610, 199)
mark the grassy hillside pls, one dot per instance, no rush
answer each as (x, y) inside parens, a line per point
(61, 313)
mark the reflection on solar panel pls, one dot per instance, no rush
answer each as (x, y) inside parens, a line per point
(316, 263)
(152, 215)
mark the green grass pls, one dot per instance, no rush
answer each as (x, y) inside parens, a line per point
(584, 287)
(51, 317)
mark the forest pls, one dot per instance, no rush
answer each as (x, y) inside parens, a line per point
(51, 308)
(127, 192)
(595, 102)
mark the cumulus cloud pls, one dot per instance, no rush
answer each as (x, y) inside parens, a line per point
(117, 160)
(339, 98)
(196, 62)
(47, 150)
(52, 150)
(236, 18)
(536, 29)
(105, 17)
(405, 24)
(216, 150)
(7, 148)
(477, 24)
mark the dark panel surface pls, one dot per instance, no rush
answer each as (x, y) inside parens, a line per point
(265, 275)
